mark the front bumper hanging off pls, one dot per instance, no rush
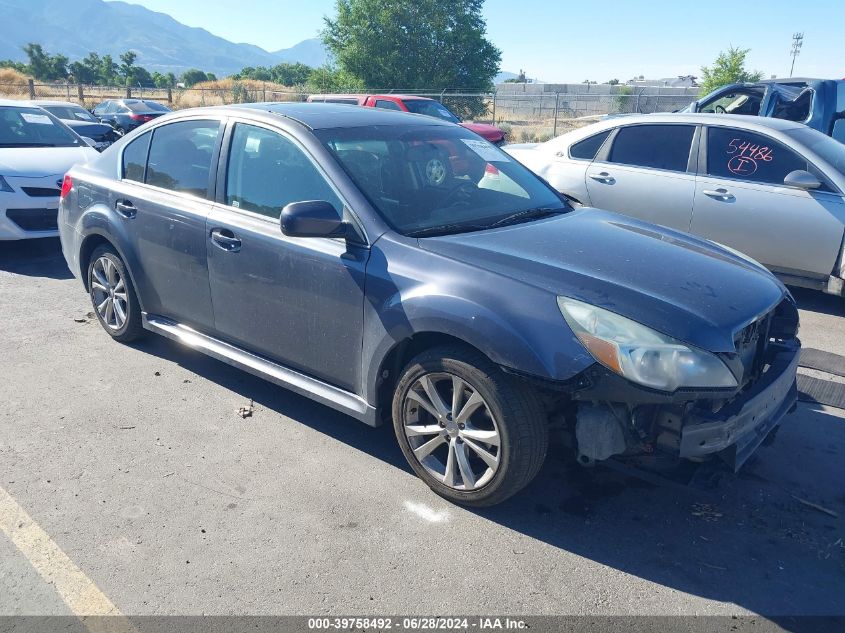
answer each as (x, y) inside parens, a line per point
(736, 430)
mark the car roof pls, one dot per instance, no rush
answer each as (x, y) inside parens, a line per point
(750, 122)
(333, 115)
(15, 103)
(44, 102)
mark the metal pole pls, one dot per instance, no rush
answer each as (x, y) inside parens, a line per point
(494, 107)
(557, 97)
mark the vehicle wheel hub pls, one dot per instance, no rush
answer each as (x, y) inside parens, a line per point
(456, 443)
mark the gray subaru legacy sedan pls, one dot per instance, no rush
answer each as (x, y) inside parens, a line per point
(399, 268)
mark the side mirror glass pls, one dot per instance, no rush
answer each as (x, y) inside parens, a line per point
(312, 218)
(801, 179)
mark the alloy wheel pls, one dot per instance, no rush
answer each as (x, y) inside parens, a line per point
(452, 431)
(108, 292)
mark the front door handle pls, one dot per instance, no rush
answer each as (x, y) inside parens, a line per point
(225, 239)
(604, 177)
(720, 194)
(126, 209)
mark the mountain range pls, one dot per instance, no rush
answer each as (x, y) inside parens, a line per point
(75, 28)
(161, 43)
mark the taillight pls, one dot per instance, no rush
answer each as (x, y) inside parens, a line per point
(136, 117)
(67, 185)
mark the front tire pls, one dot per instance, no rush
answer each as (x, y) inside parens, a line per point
(473, 434)
(113, 296)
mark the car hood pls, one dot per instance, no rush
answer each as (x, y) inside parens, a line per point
(683, 286)
(35, 162)
(490, 132)
(86, 128)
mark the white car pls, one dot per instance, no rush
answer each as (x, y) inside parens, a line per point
(36, 150)
(770, 188)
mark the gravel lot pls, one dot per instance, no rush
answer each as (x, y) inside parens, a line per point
(135, 463)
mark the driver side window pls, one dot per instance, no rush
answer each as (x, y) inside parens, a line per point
(267, 171)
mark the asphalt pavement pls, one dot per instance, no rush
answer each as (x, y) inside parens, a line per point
(161, 499)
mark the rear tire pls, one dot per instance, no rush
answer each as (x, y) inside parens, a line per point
(477, 448)
(113, 296)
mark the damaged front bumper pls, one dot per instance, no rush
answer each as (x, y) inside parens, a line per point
(738, 428)
(615, 418)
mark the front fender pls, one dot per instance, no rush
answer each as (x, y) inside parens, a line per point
(516, 325)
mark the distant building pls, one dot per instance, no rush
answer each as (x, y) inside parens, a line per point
(681, 81)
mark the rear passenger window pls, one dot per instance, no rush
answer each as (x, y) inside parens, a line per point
(180, 156)
(735, 153)
(654, 146)
(589, 147)
(135, 158)
(267, 171)
(387, 105)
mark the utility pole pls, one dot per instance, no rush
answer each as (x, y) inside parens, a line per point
(797, 42)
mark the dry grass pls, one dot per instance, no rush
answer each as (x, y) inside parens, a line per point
(225, 91)
(13, 84)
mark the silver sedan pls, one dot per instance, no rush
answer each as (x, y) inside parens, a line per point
(769, 188)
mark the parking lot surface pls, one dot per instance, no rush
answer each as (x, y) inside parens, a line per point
(134, 462)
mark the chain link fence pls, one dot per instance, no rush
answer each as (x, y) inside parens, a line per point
(527, 112)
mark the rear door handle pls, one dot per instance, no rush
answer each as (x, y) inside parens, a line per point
(604, 177)
(225, 239)
(719, 194)
(126, 209)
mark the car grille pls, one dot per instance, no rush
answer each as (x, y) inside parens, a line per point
(41, 192)
(34, 219)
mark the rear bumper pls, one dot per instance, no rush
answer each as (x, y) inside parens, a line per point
(736, 430)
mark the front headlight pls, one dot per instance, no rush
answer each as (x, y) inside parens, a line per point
(640, 354)
(5, 187)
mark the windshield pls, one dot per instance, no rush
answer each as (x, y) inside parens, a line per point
(33, 127)
(828, 149)
(438, 179)
(430, 108)
(71, 113)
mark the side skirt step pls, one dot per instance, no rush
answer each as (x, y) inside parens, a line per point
(307, 386)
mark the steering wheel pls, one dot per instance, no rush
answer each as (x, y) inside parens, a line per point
(720, 109)
(459, 195)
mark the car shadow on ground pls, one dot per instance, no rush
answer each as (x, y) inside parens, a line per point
(815, 301)
(750, 538)
(34, 258)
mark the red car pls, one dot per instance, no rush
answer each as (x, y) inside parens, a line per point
(417, 105)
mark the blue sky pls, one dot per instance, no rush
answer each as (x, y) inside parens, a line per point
(556, 40)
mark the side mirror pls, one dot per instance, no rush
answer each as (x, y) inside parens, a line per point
(312, 218)
(801, 179)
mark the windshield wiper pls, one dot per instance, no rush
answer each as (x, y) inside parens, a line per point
(446, 229)
(528, 214)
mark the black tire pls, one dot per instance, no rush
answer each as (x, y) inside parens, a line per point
(519, 418)
(131, 329)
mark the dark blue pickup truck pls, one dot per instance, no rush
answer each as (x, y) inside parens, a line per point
(818, 103)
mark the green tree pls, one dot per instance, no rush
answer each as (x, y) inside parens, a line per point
(613, 82)
(423, 44)
(291, 74)
(127, 67)
(193, 76)
(728, 68)
(44, 66)
(329, 79)
(107, 72)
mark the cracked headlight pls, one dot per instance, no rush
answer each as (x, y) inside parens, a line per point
(641, 354)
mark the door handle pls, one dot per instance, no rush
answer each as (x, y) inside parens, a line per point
(225, 239)
(604, 177)
(126, 209)
(719, 194)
